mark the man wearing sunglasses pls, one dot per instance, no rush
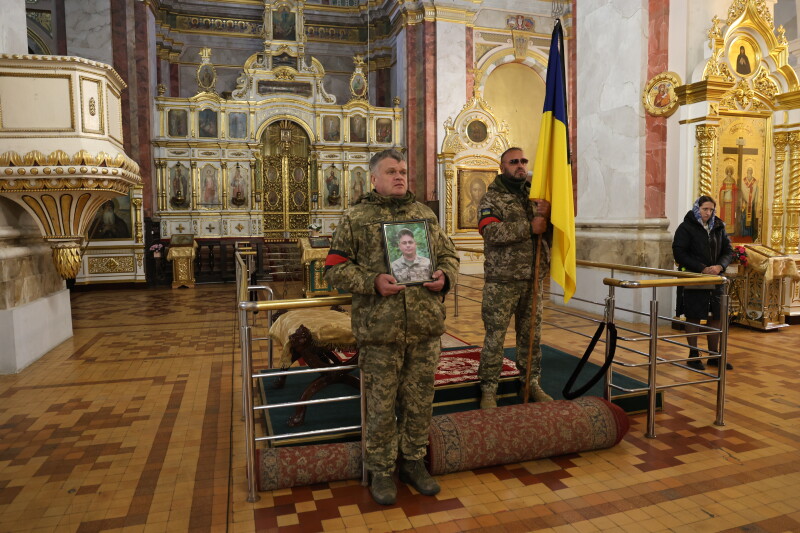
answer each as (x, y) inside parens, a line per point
(509, 223)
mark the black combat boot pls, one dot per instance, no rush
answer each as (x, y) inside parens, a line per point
(696, 364)
(383, 489)
(415, 474)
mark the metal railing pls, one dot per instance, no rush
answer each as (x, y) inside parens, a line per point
(608, 309)
(247, 309)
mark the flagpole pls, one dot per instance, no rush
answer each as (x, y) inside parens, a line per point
(534, 303)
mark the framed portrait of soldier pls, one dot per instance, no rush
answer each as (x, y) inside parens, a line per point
(408, 251)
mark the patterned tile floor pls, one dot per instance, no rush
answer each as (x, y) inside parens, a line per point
(134, 424)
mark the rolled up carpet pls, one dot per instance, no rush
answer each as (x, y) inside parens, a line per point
(280, 468)
(516, 433)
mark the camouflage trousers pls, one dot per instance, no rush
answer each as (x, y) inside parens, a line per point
(500, 301)
(398, 383)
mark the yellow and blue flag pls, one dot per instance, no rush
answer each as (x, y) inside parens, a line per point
(552, 170)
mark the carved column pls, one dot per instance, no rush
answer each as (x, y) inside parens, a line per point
(776, 237)
(706, 135)
(195, 181)
(448, 184)
(793, 198)
(137, 220)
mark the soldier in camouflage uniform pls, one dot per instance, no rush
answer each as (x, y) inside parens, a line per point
(509, 224)
(410, 267)
(398, 328)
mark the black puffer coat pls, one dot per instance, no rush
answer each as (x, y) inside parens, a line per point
(695, 249)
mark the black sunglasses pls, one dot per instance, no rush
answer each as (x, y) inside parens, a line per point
(515, 161)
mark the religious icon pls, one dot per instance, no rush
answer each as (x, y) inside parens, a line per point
(658, 95)
(743, 56)
(728, 193)
(383, 130)
(472, 186)
(358, 85)
(748, 204)
(661, 99)
(332, 186)
(208, 186)
(112, 221)
(238, 187)
(177, 122)
(476, 131)
(358, 129)
(207, 119)
(299, 175)
(330, 129)
(283, 25)
(180, 193)
(206, 77)
(358, 185)
(237, 125)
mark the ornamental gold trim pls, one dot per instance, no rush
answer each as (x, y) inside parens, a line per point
(659, 97)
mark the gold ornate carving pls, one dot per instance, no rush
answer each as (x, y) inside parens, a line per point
(706, 136)
(92, 106)
(67, 259)
(111, 264)
(759, 6)
(781, 139)
(793, 197)
(449, 174)
(285, 73)
(138, 235)
(764, 84)
(714, 31)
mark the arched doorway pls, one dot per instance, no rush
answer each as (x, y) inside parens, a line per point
(286, 149)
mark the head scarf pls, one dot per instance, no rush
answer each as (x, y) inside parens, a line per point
(696, 211)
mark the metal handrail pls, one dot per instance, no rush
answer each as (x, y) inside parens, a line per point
(245, 307)
(675, 279)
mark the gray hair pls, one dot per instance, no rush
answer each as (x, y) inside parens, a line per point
(383, 154)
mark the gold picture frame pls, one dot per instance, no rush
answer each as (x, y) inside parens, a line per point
(659, 97)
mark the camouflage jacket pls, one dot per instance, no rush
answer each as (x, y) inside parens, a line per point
(509, 246)
(357, 256)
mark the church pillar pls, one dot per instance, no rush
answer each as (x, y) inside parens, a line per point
(656, 138)
(706, 137)
(451, 43)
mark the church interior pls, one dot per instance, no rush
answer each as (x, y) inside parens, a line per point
(164, 164)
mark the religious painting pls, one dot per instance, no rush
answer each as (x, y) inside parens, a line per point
(209, 187)
(358, 183)
(408, 251)
(743, 56)
(738, 185)
(207, 123)
(472, 185)
(272, 173)
(237, 125)
(331, 129)
(180, 186)
(659, 97)
(358, 129)
(283, 25)
(383, 130)
(238, 186)
(206, 77)
(476, 131)
(299, 174)
(177, 123)
(284, 60)
(112, 221)
(331, 178)
(519, 22)
(358, 85)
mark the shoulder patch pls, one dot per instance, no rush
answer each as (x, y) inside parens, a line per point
(486, 211)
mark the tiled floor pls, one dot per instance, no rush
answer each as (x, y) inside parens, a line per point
(134, 425)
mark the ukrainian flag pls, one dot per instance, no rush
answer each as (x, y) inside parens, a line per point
(552, 170)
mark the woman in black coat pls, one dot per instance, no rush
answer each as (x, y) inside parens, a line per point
(702, 245)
